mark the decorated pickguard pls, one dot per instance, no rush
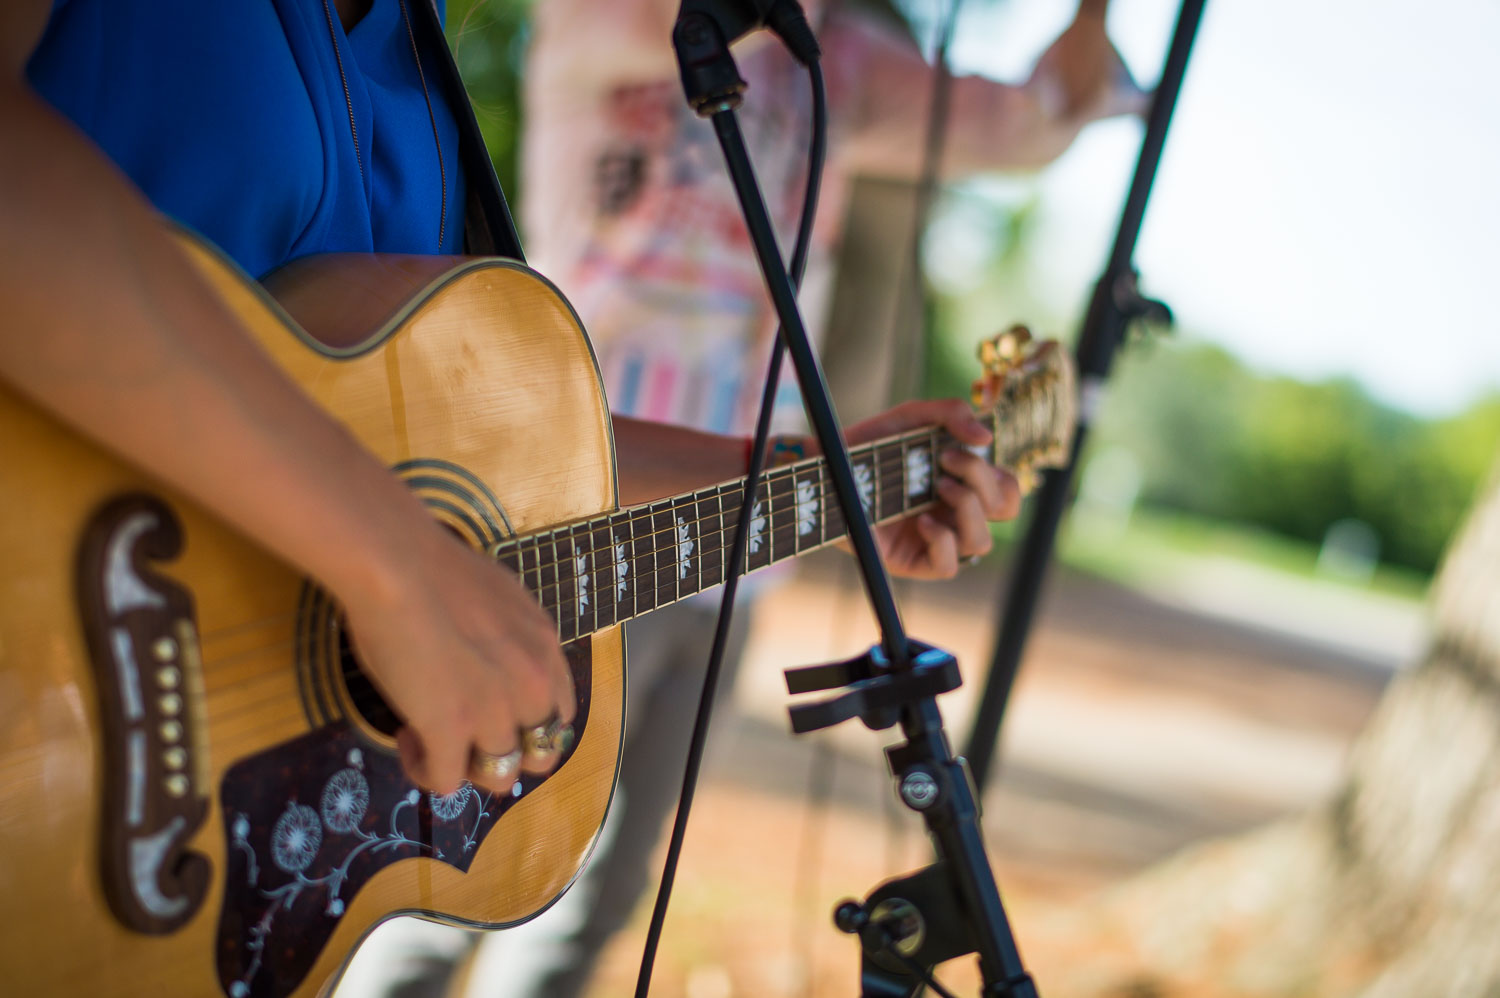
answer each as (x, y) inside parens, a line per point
(309, 822)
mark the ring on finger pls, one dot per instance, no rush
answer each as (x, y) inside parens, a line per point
(541, 741)
(498, 767)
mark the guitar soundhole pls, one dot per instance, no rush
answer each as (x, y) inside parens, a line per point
(363, 697)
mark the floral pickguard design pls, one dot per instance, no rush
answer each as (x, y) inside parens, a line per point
(311, 821)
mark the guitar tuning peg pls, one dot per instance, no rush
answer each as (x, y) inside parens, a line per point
(1011, 344)
(1003, 352)
(985, 391)
(1026, 476)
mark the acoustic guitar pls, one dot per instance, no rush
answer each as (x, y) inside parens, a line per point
(199, 793)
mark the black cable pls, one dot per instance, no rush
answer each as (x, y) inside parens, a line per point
(816, 156)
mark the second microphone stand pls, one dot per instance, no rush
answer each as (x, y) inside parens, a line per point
(908, 925)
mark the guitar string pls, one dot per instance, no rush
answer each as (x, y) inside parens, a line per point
(883, 462)
(606, 613)
(886, 458)
(637, 561)
(879, 449)
(557, 607)
(651, 563)
(242, 709)
(1019, 410)
(639, 515)
(549, 594)
(889, 454)
(564, 616)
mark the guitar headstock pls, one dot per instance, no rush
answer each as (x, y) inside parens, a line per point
(1028, 386)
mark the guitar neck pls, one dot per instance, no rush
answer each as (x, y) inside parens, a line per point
(600, 572)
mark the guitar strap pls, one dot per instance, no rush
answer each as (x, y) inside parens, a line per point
(489, 229)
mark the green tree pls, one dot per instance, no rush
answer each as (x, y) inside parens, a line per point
(489, 39)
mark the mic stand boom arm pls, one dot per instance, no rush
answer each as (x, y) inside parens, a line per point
(954, 907)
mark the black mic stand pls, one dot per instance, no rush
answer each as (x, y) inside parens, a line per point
(1117, 304)
(952, 908)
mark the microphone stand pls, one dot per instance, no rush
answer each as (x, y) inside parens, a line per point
(953, 907)
(1116, 305)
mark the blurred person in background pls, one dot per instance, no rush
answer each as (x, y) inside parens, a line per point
(628, 208)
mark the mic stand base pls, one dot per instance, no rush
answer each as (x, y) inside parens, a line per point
(952, 908)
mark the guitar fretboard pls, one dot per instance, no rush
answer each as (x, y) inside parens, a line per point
(603, 571)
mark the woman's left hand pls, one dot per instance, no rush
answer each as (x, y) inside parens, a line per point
(971, 493)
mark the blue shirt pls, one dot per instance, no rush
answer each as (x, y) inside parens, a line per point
(232, 117)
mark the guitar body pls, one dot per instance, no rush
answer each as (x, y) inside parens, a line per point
(193, 798)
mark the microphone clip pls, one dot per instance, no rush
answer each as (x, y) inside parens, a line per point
(706, 28)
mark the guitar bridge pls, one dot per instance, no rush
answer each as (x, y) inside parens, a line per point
(143, 644)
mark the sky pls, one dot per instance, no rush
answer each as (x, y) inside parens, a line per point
(1329, 198)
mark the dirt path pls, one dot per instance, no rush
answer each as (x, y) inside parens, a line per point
(1136, 728)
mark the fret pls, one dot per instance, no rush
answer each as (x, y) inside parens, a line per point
(568, 622)
(934, 447)
(835, 527)
(918, 467)
(890, 478)
(782, 517)
(810, 502)
(663, 545)
(545, 561)
(864, 477)
(609, 558)
(731, 495)
(685, 541)
(508, 553)
(593, 537)
(642, 564)
(905, 478)
(690, 516)
(714, 535)
(821, 471)
(587, 593)
(596, 574)
(758, 544)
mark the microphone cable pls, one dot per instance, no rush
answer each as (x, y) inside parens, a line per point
(817, 153)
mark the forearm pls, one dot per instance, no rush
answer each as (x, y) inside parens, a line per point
(110, 328)
(996, 126)
(658, 460)
(991, 125)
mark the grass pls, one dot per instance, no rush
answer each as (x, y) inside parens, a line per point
(1156, 543)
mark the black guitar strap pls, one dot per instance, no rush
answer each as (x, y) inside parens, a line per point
(489, 229)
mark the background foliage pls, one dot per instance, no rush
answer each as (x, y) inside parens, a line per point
(489, 39)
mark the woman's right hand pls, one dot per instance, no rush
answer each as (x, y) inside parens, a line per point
(464, 654)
